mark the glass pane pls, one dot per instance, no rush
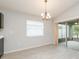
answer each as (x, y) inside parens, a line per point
(35, 28)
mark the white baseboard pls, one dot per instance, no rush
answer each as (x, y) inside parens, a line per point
(26, 48)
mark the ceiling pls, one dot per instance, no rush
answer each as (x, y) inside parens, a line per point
(36, 7)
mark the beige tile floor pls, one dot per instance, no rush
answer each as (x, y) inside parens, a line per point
(44, 52)
(71, 44)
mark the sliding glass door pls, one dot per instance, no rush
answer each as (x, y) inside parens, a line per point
(63, 34)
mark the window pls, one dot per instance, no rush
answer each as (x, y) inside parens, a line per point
(34, 28)
(75, 31)
(62, 31)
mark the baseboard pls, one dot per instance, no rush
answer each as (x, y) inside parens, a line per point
(25, 48)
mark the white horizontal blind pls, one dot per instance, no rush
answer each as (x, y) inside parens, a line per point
(35, 28)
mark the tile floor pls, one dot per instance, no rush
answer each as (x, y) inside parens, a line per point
(44, 52)
(71, 44)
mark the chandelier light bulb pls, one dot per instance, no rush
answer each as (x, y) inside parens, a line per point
(42, 14)
(45, 16)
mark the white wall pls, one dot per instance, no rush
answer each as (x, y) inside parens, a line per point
(70, 14)
(15, 32)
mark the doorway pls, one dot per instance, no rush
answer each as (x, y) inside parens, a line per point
(68, 34)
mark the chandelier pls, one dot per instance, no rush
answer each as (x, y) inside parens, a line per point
(45, 15)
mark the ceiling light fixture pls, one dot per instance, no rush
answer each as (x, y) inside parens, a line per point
(45, 15)
(76, 23)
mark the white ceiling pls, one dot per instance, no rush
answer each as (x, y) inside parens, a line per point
(35, 7)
